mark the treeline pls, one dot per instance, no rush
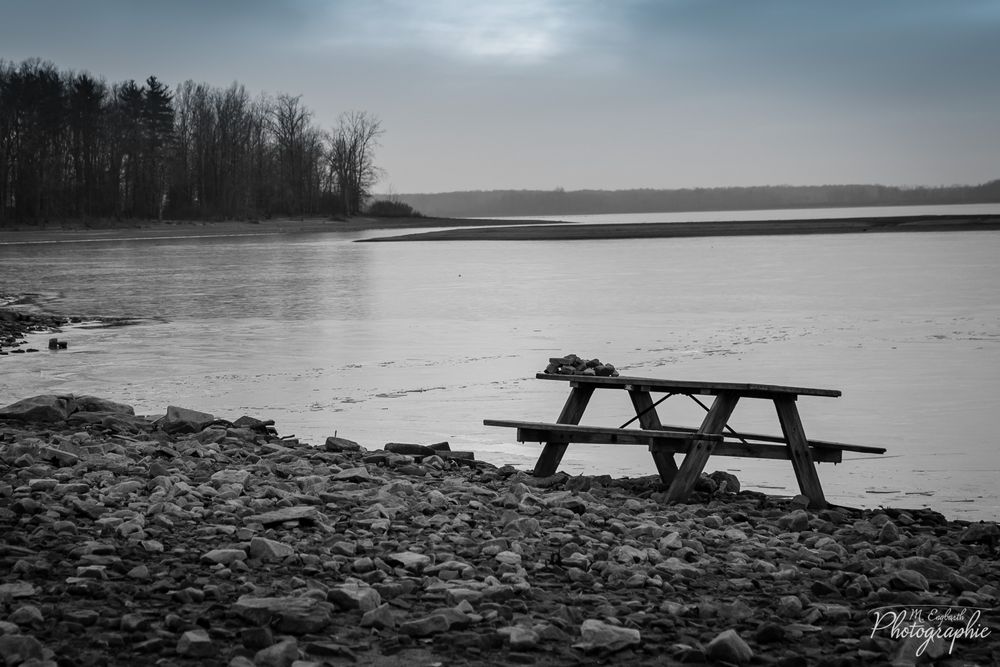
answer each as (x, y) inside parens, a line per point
(73, 146)
(582, 202)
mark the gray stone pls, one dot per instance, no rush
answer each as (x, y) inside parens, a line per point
(337, 445)
(409, 560)
(27, 614)
(295, 615)
(409, 449)
(354, 595)
(58, 456)
(304, 513)
(932, 569)
(94, 404)
(282, 654)
(728, 483)
(46, 408)
(196, 644)
(789, 606)
(521, 638)
(985, 531)
(16, 649)
(182, 420)
(224, 556)
(230, 476)
(598, 635)
(265, 549)
(889, 533)
(16, 589)
(728, 646)
(425, 626)
(908, 580)
(796, 521)
(381, 617)
(359, 474)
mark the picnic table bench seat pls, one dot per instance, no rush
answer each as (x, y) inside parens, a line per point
(677, 440)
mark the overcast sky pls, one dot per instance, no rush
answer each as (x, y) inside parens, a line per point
(490, 94)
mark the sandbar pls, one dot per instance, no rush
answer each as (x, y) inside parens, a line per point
(568, 232)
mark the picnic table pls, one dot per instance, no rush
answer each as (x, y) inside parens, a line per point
(696, 444)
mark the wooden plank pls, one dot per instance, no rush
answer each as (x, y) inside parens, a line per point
(697, 456)
(690, 387)
(816, 444)
(778, 452)
(645, 410)
(589, 434)
(798, 451)
(666, 441)
(596, 436)
(572, 412)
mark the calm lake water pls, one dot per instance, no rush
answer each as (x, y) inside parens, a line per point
(419, 342)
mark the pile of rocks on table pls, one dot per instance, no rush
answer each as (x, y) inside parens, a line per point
(574, 365)
(196, 541)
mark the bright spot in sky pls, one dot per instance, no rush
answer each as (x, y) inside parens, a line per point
(518, 31)
(525, 31)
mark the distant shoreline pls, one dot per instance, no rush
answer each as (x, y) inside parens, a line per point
(574, 232)
(126, 230)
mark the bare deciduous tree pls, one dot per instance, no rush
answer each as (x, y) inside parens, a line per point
(351, 153)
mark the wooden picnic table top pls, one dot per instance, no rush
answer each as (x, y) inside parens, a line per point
(691, 387)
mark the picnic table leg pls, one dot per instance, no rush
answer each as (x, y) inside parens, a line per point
(648, 419)
(798, 452)
(697, 456)
(572, 412)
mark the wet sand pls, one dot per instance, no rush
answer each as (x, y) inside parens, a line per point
(567, 232)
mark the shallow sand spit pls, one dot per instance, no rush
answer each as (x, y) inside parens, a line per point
(194, 540)
(475, 229)
(575, 232)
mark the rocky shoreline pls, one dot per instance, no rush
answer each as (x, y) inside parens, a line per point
(19, 317)
(188, 539)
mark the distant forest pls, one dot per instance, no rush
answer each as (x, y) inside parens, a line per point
(73, 146)
(581, 202)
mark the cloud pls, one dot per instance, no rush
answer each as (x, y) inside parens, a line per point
(515, 32)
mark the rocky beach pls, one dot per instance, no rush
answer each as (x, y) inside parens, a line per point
(190, 539)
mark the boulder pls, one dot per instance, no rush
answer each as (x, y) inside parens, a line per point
(727, 482)
(182, 420)
(728, 646)
(337, 445)
(94, 404)
(295, 615)
(265, 549)
(282, 654)
(409, 449)
(45, 408)
(196, 643)
(355, 595)
(15, 649)
(601, 636)
(302, 513)
(931, 569)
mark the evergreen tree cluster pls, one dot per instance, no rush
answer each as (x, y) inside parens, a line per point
(73, 146)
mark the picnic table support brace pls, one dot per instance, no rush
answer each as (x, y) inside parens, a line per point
(572, 412)
(798, 452)
(696, 458)
(645, 411)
